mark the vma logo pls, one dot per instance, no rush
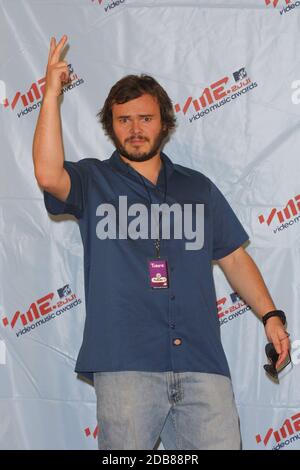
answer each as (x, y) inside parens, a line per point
(287, 5)
(94, 433)
(34, 93)
(217, 94)
(275, 2)
(109, 6)
(229, 309)
(32, 98)
(292, 209)
(286, 433)
(37, 309)
(42, 311)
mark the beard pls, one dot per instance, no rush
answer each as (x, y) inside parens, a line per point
(139, 156)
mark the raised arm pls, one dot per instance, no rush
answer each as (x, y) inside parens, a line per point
(48, 152)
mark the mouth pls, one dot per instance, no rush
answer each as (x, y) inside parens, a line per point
(137, 141)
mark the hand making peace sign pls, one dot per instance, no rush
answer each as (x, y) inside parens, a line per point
(57, 73)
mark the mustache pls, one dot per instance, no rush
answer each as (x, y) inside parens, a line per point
(136, 137)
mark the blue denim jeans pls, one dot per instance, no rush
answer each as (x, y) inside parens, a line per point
(187, 410)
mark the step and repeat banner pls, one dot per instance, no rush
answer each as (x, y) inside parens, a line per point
(232, 70)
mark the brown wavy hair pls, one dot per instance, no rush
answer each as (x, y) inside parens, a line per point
(131, 87)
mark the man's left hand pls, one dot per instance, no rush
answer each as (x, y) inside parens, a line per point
(277, 334)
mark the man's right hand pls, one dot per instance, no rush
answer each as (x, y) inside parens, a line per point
(57, 73)
(48, 152)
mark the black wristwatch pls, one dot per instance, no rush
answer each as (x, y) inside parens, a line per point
(274, 313)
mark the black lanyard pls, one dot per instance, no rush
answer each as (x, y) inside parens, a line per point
(157, 241)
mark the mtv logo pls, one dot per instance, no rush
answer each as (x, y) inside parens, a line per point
(240, 74)
(235, 297)
(2, 352)
(64, 291)
(71, 70)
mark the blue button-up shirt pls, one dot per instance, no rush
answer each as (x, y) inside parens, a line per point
(129, 325)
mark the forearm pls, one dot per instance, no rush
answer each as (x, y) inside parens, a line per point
(246, 279)
(48, 154)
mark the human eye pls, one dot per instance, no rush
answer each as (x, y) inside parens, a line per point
(147, 118)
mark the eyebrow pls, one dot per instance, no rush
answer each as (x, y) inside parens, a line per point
(140, 115)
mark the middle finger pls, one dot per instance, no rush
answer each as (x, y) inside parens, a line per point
(56, 53)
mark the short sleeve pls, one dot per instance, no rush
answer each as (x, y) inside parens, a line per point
(76, 200)
(228, 232)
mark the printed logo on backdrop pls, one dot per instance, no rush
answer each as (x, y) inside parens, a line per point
(109, 5)
(230, 308)
(285, 5)
(24, 102)
(218, 94)
(88, 432)
(283, 437)
(43, 310)
(282, 219)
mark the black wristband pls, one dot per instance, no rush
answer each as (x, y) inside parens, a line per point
(274, 313)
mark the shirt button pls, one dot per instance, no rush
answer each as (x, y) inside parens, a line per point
(177, 342)
(172, 297)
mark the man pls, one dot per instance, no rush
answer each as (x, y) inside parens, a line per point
(152, 336)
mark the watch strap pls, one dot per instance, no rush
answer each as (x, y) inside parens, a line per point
(274, 313)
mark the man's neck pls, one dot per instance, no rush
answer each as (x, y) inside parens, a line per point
(149, 169)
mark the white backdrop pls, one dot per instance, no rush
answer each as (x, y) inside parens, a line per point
(232, 70)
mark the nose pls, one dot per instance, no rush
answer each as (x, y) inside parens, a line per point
(135, 126)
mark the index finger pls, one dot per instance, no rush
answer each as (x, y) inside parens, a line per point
(57, 50)
(52, 47)
(284, 353)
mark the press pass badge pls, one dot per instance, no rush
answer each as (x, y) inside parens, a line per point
(158, 272)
